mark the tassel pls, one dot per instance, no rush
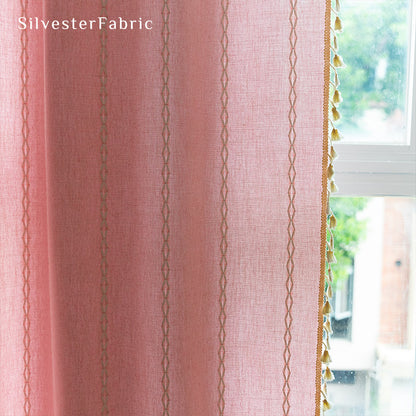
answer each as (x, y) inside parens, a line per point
(337, 98)
(332, 221)
(335, 136)
(330, 171)
(329, 292)
(330, 257)
(336, 80)
(338, 24)
(328, 327)
(324, 388)
(328, 375)
(326, 359)
(333, 154)
(326, 310)
(335, 115)
(337, 6)
(326, 405)
(331, 243)
(328, 347)
(330, 275)
(338, 61)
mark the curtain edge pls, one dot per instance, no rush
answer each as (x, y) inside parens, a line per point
(324, 202)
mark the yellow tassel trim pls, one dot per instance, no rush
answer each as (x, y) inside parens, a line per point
(328, 375)
(326, 358)
(337, 6)
(337, 98)
(333, 153)
(330, 257)
(335, 43)
(326, 405)
(335, 115)
(330, 171)
(329, 292)
(338, 61)
(330, 275)
(327, 326)
(332, 221)
(335, 136)
(336, 80)
(328, 347)
(327, 309)
(338, 24)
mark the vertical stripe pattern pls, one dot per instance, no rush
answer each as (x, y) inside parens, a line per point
(291, 208)
(224, 206)
(165, 207)
(24, 57)
(103, 213)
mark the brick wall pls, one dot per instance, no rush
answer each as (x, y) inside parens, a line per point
(395, 271)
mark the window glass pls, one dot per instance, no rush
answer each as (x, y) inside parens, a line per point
(373, 345)
(375, 47)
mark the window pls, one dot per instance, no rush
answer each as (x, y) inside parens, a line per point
(373, 344)
(374, 304)
(342, 305)
(384, 164)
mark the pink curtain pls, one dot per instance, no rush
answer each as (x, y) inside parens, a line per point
(163, 197)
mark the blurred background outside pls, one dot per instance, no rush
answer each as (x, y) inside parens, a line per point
(373, 345)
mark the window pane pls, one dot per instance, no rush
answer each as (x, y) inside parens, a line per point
(375, 47)
(373, 345)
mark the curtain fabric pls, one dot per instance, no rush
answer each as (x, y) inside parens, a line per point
(163, 197)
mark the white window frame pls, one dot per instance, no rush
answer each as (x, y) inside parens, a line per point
(383, 170)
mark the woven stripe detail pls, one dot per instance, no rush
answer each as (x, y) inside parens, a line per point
(224, 207)
(290, 266)
(103, 212)
(165, 207)
(24, 59)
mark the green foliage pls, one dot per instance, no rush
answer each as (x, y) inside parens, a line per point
(348, 234)
(375, 35)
